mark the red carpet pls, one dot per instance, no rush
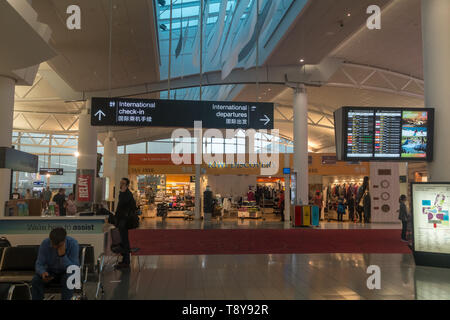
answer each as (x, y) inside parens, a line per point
(259, 241)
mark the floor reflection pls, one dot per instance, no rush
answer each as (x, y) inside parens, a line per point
(275, 276)
(432, 283)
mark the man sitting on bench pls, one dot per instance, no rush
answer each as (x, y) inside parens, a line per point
(56, 254)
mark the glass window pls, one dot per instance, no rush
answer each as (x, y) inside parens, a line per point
(63, 150)
(63, 181)
(68, 163)
(34, 149)
(136, 148)
(159, 147)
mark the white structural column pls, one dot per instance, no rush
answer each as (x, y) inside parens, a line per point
(198, 192)
(301, 143)
(87, 149)
(110, 163)
(87, 141)
(287, 192)
(7, 87)
(436, 64)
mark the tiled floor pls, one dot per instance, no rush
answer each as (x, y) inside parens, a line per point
(260, 277)
(279, 277)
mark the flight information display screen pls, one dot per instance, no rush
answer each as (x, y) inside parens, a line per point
(360, 133)
(388, 133)
(385, 134)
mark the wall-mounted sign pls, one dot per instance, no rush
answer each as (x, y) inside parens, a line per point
(384, 172)
(51, 171)
(85, 185)
(181, 113)
(329, 160)
(18, 160)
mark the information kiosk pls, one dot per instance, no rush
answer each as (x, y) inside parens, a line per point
(431, 228)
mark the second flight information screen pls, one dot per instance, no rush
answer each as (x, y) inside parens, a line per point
(388, 134)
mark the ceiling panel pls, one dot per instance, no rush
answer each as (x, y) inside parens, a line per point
(82, 59)
(318, 30)
(397, 46)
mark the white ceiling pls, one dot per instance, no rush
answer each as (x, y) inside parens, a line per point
(82, 62)
(397, 46)
(82, 59)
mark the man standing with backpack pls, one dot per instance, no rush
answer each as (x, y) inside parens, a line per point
(125, 214)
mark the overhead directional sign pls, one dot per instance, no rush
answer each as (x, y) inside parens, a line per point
(181, 114)
(51, 171)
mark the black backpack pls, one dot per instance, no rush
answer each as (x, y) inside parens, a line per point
(4, 243)
(133, 218)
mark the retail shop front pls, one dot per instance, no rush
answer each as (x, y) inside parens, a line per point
(332, 182)
(164, 189)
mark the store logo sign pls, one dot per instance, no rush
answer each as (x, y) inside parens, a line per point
(73, 22)
(374, 281)
(221, 165)
(374, 21)
(182, 150)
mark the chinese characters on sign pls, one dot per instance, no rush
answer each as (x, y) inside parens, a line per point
(181, 113)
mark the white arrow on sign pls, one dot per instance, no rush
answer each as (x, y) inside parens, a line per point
(267, 120)
(99, 114)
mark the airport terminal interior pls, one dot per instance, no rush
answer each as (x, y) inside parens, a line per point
(225, 149)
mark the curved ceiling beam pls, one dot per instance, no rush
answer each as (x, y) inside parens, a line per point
(313, 75)
(387, 76)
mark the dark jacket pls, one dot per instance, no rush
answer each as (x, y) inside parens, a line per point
(208, 204)
(125, 206)
(367, 205)
(351, 204)
(403, 212)
(60, 200)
